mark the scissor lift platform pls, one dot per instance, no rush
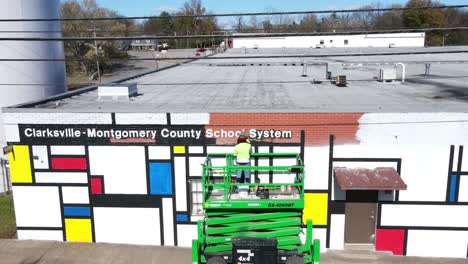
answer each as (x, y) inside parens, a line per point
(262, 210)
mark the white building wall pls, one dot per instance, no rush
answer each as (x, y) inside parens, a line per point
(185, 235)
(47, 235)
(437, 243)
(463, 196)
(423, 167)
(424, 170)
(337, 231)
(421, 140)
(410, 215)
(353, 41)
(116, 173)
(139, 226)
(316, 160)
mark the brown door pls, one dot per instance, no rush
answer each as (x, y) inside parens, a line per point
(361, 212)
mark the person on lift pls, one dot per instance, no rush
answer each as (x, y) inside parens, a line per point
(242, 153)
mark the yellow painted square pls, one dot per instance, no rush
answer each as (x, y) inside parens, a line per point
(20, 165)
(78, 230)
(179, 150)
(315, 208)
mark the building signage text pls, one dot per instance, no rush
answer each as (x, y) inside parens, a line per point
(157, 133)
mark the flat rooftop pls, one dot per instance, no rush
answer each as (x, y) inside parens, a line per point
(270, 80)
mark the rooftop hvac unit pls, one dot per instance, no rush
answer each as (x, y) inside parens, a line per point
(387, 75)
(340, 81)
(117, 92)
(333, 70)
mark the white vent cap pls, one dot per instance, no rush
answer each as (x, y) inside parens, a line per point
(117, 92)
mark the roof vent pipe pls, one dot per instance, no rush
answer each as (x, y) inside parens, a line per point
(428, 69)
(304, 69)
(403, 71)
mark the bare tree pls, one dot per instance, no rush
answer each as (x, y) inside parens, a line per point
(194, 25)
(239, 23)
(309, 23)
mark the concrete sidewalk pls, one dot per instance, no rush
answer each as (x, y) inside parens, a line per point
(45, 252)
(41, 252)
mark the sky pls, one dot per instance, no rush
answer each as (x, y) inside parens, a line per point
(154, 7)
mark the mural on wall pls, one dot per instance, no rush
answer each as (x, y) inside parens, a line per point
(142, 180)
(140, 184)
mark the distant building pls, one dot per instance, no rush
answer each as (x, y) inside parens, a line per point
(144, 44)
(333, 41)
(124, 44)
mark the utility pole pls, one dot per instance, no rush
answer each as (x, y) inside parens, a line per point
(155, 60)
(3, 175)
(97, 55)
(444, 37)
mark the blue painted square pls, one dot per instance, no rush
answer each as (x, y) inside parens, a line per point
(453, 187)
(160, 178)
(77, 211)
(182, 218)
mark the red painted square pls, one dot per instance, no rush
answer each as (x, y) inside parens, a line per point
(69, 164)
(390, 240)
(96, 185)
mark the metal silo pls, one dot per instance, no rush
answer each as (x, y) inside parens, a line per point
(23, 81)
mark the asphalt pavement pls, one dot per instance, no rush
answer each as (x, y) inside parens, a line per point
(135, 67)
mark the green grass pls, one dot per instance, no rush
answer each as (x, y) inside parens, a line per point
(7, 217)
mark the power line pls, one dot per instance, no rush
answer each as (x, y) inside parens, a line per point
(62, 31)
(246, 29)
(231, 30)
(241, 35)
(322, 80)
(249, 57)
(344, 63)
(241, 14)
(101, 59)
(287, 82)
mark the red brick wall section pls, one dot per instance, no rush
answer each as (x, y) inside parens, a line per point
(317, 126)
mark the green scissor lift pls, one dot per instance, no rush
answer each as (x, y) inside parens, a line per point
(277, 215)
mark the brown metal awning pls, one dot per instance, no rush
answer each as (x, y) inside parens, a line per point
(382, 178)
